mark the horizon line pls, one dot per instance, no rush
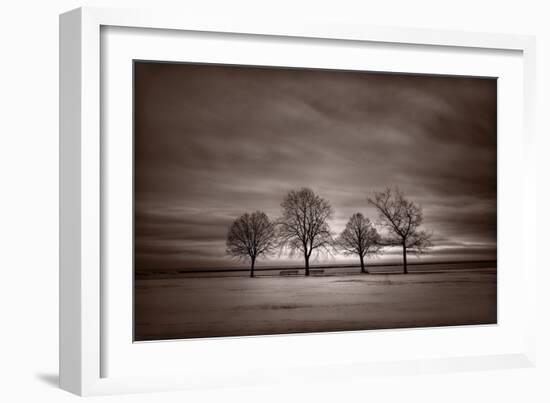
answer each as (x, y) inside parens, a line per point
(219, 269)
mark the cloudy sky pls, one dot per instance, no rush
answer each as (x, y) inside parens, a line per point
(213, 142)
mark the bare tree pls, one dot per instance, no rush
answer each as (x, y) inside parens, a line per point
(359, 238)
(251, 236)
(402, 219)
(303, 226)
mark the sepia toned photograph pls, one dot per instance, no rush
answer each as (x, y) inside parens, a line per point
(274, 200)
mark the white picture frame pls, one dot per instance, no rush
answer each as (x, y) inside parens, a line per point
(83, 306)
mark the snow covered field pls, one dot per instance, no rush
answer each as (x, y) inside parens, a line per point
(237, 306)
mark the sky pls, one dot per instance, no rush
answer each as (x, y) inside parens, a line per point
(212, 142)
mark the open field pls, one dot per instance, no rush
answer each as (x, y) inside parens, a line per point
(191, 307)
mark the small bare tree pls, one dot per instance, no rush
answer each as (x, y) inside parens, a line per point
(402, 219)
(304, 225)
(251, 236)
(359, 238)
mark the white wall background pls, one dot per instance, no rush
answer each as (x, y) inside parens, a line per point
(29, 201)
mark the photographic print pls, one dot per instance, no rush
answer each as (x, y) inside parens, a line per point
(273, 200)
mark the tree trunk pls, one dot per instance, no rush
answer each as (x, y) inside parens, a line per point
(404, 259)
(307, 263)
(252, 263)
(362, 264)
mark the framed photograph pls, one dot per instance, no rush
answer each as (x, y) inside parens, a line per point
(236, 197)
(249, 181)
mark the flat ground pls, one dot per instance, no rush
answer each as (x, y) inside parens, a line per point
(178, 308)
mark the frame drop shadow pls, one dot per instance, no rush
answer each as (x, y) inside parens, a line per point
(49, 379)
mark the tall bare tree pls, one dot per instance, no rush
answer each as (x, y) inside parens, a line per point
(251, 236)
(360, 238)
(402, 218)
(304, 225)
